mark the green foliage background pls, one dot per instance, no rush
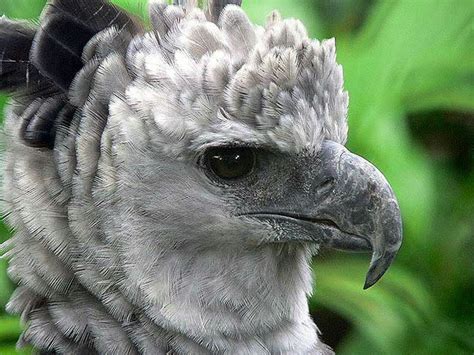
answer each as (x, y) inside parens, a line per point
(409, 70)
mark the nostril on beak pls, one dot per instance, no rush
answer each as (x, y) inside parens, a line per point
(326, 185)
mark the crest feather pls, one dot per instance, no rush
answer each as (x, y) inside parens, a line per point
(200, 38)
(239, 31)
(215, 8)
(263, 78)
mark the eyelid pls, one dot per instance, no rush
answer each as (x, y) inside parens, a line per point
(200, 156)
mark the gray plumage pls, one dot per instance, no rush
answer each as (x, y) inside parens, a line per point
(124, 242)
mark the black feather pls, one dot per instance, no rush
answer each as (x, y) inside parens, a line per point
(51, 56)
(38, 129)
(66, 27)
(58, 48)
(16, 70)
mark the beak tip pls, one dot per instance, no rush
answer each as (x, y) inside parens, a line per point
(378, 267)
(370, 281)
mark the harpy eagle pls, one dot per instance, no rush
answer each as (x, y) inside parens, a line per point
(167, 186)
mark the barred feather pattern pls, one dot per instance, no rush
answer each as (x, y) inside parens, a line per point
(107, 252)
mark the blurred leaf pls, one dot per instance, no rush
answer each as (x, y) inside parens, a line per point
(406, 49)
(10, 349)
(382, 313)
(137, 7)
(458, 97)
(10, 328)
(6, 287)
(22, 9)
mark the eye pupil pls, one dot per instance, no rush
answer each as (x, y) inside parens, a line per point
(231, 163)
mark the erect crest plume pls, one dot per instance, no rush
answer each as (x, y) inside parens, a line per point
(220, 78)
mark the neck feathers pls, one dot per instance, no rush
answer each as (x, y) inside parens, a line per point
(253, 300)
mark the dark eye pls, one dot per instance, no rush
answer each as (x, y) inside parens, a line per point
(230, 163)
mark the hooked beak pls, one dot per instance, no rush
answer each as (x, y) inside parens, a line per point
(349, 206)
